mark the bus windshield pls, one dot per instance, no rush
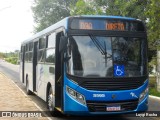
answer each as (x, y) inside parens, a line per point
(96, 56)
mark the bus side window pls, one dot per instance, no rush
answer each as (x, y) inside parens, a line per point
(42, 42)
(41, 51)
(26, 52)
(51, 40)
(21, 54)
(50, 51)
(30, 53)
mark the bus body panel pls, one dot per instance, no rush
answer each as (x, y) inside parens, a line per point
(61, 24)
(28, 73)
(45, 75)
(40, 80)
(20, 71)
(80, 109)
(105, 96)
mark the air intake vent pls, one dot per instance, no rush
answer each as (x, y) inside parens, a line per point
(109, 84)
(112, 85)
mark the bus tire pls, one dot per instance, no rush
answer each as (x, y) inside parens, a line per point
(50, 105)
(27, 87)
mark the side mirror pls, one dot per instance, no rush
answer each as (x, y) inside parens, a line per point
(63, 43)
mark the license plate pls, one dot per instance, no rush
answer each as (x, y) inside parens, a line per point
(113, 108)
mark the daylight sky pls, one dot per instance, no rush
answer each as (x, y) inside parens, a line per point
(16, 23)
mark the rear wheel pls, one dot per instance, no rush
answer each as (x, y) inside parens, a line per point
(50, 104)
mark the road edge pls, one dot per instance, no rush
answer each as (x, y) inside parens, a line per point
(25, 94)
(154, 97)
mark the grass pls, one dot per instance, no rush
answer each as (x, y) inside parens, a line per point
(154, 92)
(12, 60)
(152, 82)
(152, 87)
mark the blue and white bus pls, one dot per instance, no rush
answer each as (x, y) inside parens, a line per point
(88, 65)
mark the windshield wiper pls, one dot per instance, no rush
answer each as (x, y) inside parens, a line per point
(98, 45)
(101, 48)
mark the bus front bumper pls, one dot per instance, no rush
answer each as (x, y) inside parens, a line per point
(72, 107)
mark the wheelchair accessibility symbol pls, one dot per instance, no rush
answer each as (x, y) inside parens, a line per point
(119, 70)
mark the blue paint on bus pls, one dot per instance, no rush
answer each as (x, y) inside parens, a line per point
(105, 65)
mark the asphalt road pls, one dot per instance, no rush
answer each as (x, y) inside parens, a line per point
(12, 71)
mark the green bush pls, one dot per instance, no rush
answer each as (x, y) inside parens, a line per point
(152, 87)
(152, 82)
(12, 60)
(154, 92)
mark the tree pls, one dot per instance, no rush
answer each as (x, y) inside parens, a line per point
(85, 8)
(153, 24)
(2, 55)
(130, 8)
(48, 12)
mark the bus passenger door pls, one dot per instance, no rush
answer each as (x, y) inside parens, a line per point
(35, 49)
(59, 74)
(22, 63)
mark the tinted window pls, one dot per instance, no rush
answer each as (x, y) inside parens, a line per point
(51, 40)
(30, 56)
(41, 56)
(42, 43)
(94, 56)
(26, 57)
(26, 47)
(31, 46)
(50, 55)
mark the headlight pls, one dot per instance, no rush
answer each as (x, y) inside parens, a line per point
(74, 94)
(71, 92)
(143, 94)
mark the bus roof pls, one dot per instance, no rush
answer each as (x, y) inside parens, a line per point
(63, 23)
(105, 16)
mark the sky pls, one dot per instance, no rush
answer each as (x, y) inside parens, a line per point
(16, 23)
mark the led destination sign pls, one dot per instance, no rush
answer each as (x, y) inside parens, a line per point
(115, 26)
(85, 25)
(110, 24)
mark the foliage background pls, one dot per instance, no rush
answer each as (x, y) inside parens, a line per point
(48, 12)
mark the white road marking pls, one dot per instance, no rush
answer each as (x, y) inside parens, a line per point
(154, 97)
(18, 88)
(27, 96)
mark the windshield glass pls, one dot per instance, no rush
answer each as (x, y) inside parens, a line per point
(95, 56)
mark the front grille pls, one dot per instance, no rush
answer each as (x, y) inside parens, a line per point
(101, 106)
(112, 84)
(109, 84)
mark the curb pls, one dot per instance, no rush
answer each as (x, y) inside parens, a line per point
(154, 97)
(49, 118)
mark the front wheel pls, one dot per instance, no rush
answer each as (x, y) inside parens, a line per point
(50, 104)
